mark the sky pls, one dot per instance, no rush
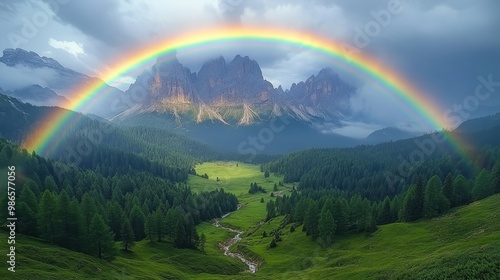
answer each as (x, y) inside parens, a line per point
(442, 47)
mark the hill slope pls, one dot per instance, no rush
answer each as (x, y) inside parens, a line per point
(464, 243)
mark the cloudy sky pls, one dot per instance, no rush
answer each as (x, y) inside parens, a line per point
(440, 46)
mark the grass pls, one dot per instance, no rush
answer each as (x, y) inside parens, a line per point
(236, 178)
(465, 244)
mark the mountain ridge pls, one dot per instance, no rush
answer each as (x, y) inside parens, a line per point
(61, 80)
(236, 92)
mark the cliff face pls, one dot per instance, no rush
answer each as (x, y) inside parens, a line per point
(238, 91)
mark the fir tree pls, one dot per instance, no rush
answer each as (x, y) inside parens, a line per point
(102, 239)
(127, 234)
(435, 202)
(326, 227)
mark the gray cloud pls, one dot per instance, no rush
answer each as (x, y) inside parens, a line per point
(12, 78)
(439, 46)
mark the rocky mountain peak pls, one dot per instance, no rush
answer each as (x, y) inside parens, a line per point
(237, 90)
(14, 57)
(244, 67)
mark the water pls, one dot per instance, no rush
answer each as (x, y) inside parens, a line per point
(226, 246)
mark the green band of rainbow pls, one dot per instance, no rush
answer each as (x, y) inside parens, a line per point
(45, 135)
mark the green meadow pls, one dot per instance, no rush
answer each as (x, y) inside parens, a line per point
(464, 243)
(236, 178)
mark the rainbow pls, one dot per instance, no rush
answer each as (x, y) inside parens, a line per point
(44, 137)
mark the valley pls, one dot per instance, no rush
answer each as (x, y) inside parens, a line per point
(232, 139)
(464, 241)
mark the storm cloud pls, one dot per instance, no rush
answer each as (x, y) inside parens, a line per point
(441, 47)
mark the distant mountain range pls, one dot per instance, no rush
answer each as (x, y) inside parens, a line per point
(227, 97)
(235, 92)
(60, 83)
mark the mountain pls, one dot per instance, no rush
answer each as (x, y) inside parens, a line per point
(390, 134)
(478, 124)
(58, 79)
(236, 93)
(38, 95)
(19, 120)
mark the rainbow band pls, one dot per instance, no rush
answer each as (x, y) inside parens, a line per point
(45, 135)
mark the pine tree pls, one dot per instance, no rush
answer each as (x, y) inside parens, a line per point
(448, 188)
(137, 220)
(102, 239)
(160, 225)
(271, 210)
(27, 212)
(483, 186)
(150, 227)
(326, 227)
(275, 188)
(461, 192)
(341, 215)
(273, 244)
(385, 215)
(47, 217)
(266, 174)
(496, 176)
(419, 198)
(50, 183)
(203, 240)
(180, 234)
(413, 203)
(311, 219)
(115, 214)
(435, 202)
(127, 234)
(88, 209)
(69, 216)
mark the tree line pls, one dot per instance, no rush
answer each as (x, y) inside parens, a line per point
(325, 211)
(85, 211)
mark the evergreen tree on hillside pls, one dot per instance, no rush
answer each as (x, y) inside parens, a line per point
(448, 188)
(102, 239)
(49, 225)
(137, 220)
(419, 197)
(69, 215)
(115, 214)
(88, 209)
(461, 191)
(326, 227)
(203, 240)
(50, 184)
(127, 234)
(413, 204)
(271, 210)
(435, 202)
(180, 234)
(341, 215)
(311, 219)
(483, 186)
(27, 212)
(496, 176)
(160, 224)
(149, 227)
(385, 215)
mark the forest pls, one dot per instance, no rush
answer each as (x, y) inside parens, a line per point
(345, 191)
(83, 210)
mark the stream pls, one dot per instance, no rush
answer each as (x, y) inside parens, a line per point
(225, 246)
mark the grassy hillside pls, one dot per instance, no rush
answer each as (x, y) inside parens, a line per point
(465, 243)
